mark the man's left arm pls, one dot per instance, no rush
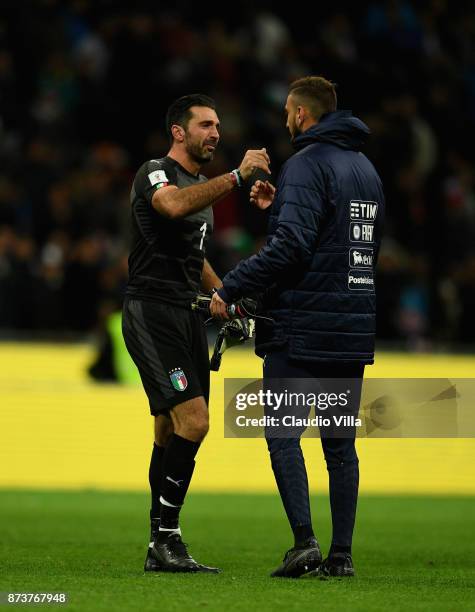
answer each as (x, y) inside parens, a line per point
(209, 278)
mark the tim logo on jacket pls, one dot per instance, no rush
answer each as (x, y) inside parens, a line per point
(363, 211)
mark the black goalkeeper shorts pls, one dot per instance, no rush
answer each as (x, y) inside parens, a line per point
(170, 349)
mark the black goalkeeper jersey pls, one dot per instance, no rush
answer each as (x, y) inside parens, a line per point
(167, 255)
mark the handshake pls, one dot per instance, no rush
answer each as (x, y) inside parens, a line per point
(238, 310)
(262, 192)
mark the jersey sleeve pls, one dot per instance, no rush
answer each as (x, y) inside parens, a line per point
(153, 175)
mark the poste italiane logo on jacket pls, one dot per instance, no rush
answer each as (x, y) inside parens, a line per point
(178, 378)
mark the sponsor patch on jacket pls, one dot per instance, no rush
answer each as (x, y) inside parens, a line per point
(361, 232)
(361, 258)
(359, 280)
(363, 211)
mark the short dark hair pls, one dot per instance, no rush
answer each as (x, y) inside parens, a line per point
(318, 94)
(179, 113)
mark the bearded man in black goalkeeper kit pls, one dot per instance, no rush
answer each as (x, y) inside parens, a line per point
(318, 271)
(172, 219)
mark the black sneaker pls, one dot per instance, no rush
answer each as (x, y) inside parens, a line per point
(337, 564)
(172, 555)
(300, 560)
(151, 564)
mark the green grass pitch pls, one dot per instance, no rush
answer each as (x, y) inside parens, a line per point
(410, 553)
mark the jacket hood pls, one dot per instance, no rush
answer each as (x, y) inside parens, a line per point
(339, 128)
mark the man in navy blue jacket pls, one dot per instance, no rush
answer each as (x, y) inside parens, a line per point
(317, 274)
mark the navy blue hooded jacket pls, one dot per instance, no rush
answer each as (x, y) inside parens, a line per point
(316, 271)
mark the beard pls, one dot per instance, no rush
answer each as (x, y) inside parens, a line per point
(199, 153)
(294, 130)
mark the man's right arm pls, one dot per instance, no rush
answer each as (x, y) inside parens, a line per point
(176, 203)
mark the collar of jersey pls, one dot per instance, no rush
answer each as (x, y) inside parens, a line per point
(175, 163)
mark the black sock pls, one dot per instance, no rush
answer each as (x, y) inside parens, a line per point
(177, 470)
(155, 478)
(302, 533)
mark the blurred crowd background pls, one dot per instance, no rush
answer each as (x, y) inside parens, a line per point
(84, 87)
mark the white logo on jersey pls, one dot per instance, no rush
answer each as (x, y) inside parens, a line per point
(158, 176)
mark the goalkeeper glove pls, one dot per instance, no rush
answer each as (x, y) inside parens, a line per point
(231, 333)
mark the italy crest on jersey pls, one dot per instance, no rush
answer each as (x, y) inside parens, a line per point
(178, 378)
